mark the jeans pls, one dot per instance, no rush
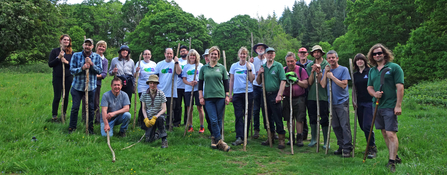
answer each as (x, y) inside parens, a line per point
(258, 104)
(96, 102)
(122, 119)
(215, 108)
(208, 121)
(274, 113)
(239, 112)
(365, 115)
(76, 97)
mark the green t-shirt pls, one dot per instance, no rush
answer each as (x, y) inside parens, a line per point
(273, 76)
(392, 77)
(213, 80)
(322, 92)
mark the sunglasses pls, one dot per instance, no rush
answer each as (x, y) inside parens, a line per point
(377, 53)
(146, 54)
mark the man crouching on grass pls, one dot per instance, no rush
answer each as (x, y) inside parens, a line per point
(115, 109)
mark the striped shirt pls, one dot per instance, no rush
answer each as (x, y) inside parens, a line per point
(76, 63)
(153, 107)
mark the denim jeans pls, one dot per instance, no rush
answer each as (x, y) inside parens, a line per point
(76, 97)
(122, 119)
(239, 113)
(258, 104)
(365, 115)
(215, 108)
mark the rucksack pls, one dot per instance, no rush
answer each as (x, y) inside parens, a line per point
(306, 91)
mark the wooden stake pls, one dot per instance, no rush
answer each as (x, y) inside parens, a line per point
(135, 143)
(136, 90)
(86, 100)
(171, 112)
(291, 118)
(246, 104)
(108, 143)
(354, 98)
(251, 116)
(318, 115)
(190, 102)
(223, 116)
(63, 92)
(266, 113)
(330, 116)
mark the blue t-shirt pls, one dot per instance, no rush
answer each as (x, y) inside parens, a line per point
(165, 71)
(114, 103)
(239, 73)
(339, 95)
(188, 73)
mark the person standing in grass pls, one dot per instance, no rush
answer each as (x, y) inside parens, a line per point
(364, 104)
(191, 86)
(59, 57)
(275, 81)
(181, 89)
(144, 68)
(207, 118)
(298, 77)
(115, 109)
(216, 94)
(339, 76)
(258, 104)
(154, 106)
(80, 62)
(238, 76)
(390, 98)
(124, 69)
(302, 62)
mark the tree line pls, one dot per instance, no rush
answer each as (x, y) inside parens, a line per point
(414, 29)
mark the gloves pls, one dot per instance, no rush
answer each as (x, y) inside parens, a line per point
(293, 74)
(153, 120)
(147, 122)
(293, 79)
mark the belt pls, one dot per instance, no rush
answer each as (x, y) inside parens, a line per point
(270, 93)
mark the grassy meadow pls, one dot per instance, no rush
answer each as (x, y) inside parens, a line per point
(25, 108)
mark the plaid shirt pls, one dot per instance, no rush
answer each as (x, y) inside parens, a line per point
(76, 63)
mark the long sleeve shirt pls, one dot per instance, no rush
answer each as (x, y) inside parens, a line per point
(56, 63)
(77, 61)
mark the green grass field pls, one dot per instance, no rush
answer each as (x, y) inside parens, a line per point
(25, 108)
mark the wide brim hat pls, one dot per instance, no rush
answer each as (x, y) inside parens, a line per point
(259, 44)
(124, 47)
(152, 78)
(207, 52)
(317, 47)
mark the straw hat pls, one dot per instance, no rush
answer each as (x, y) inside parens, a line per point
(152, 78)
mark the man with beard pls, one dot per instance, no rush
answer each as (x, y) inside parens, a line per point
(181, 89)
(80, 62)
(258, 103)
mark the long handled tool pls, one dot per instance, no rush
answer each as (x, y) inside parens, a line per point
(291, 118)
(171, 112)
(190, 103)
(108, 143)
(223, 116)
(330, 116)
(251, 116)
(382, 81)
(318, 115)
(246, 106)
(87, 80)
(269, 134)
(135, 142)
(63, 92)
(354, 98)
(136, 90)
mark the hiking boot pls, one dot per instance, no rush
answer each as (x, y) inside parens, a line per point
(238, 141)
(190, 129)
(339, 151)
(256, 135)
(201, 130)
(223, 146)
(325, 130)
(122, 134)
(372, 152)
(55, 119)
(281, 141)
(346, 154)
(213, 143)
(164, 143)
(398, 160)
(391, 166)
(299, 140)
(313, 132)
(266, 142)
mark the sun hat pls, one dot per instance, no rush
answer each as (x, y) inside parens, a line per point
(259, 44)
(317, 47)
(152, 78)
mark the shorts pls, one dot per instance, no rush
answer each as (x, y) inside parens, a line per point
(299, 109)
(386, 119)
(196, 98)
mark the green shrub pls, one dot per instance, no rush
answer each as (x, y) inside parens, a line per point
(38, 67)
(427, 93)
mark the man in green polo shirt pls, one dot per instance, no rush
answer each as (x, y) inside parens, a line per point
(314, 69)
(390, 98)
(276, 78)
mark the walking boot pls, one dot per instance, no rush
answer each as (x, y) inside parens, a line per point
(325, 129)
(299, 140)
(213, 143)
(256, 135)
(238, 141)
(281, 141)
(164, 143)
(372, 152)
(223, 146)
(313, 132)
(266, 142)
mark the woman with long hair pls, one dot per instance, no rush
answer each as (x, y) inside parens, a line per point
(144, 68)
(123, 67)
(59, 57)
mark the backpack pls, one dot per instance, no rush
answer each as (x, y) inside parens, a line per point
(306, 91)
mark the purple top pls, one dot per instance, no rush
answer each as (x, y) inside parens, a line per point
(105, 63)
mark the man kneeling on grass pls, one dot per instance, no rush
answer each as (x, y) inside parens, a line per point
(115, 109)
(154, 107)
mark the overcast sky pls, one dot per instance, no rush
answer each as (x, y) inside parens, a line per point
(222, 11)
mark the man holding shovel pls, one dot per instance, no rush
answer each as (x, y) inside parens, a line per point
(390, 98)
(80, 62)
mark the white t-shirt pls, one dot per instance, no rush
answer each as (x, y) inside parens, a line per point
(165, 71)
(188, 72)
(258, 63)
(240, 74)
(146, 70)
(180, 84)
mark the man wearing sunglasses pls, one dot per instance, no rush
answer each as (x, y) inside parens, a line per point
(390, 98)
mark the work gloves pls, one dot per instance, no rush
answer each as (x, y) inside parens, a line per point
(151, 122)
(291, 78)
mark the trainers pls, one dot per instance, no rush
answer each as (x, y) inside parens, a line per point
(190, 129)
(339, 151)
(346, 154)
(391, 166)
(256, 135)
(372, 152)
(201, 130)
(238, 141)
(398, 160)
(164, 143)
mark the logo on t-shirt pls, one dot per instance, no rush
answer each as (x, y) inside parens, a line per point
(366, 77)
(191, 72)
(241, 72)
(217, 70)
(149, 69)
(183, 66)
(273, 73)
(166, 71)
(387, 72)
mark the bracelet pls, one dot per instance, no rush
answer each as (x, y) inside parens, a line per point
(249, 70)
(176, 62)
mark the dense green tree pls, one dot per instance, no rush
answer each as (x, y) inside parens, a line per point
(345, 48)
(317, 29)
(164, 26)
(77, 38)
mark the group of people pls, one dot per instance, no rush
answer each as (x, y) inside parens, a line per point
(302, 82)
